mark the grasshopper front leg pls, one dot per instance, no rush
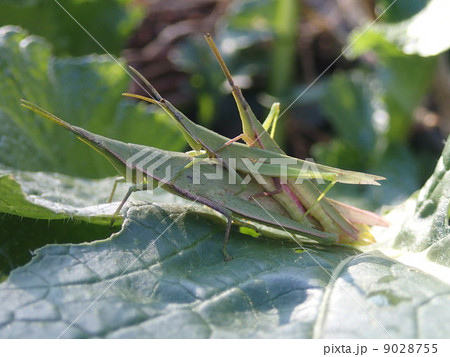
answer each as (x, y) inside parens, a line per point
(131, 189)
(322, 195)
(272, 119)
(116, 182)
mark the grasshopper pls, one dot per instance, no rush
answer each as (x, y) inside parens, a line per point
(345, 220)
(225, 149)
(300, 210)
(304, 203)
(222, 196)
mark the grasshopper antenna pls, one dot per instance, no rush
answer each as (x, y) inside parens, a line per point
(219, 57)
(155, 93)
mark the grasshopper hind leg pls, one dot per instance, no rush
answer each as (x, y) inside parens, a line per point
(278, 189)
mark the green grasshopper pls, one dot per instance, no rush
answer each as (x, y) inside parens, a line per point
(130, 161)
(332, 215)
(284, 203)
(327, 215)
(224, 149)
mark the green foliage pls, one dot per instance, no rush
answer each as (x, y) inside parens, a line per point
(162, 275)
(86, 91)
(245, 25)
(363, 139)
(346, 103)
(110, 22)
(421, 34)
(401, 10)
(427, 225)
(372, 109)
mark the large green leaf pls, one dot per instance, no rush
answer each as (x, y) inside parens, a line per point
(426, 228)
(45, 208)
(54, 196)
(85, 91)
(163, 276)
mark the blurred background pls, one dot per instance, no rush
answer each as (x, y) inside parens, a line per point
(381, 107)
